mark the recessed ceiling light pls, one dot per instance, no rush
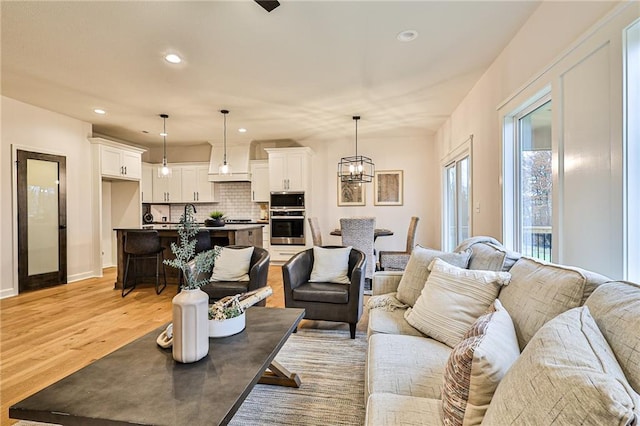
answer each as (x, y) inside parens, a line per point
(173, 58)
(242, 130)
(407, 35)
(100, 111)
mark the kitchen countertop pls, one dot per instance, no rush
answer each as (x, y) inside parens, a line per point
(174, 226)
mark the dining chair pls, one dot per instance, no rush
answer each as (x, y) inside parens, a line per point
(397, 260)
(315, 231)
(358, 232)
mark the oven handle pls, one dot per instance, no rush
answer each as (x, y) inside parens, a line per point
(287, 217)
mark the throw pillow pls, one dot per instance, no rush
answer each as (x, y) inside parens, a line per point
(330, 265)
(567, 374)
(476, 365)
(452, 299)
(232, 264)
(417, 271)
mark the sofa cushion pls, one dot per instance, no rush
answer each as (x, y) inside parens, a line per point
(386, 409)
(615, 306)
(476, 365)
(567, 374)
(232, 264)
(330, 265)
(417, 271)
(390, 322)
(405, 365)
(539, 291)
(452, 299)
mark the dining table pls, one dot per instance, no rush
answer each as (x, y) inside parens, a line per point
(377, 232)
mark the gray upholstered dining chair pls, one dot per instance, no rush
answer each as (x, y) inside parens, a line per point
(315, 231)
(358, 232)
(397, 260)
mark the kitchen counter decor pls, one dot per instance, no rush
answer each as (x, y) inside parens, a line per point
(216, 219)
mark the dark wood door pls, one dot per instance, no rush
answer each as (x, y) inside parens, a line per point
(42, 220)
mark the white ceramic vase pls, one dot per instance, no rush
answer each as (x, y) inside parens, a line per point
(190, 325)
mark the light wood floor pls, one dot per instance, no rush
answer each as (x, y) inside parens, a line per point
(48, 334)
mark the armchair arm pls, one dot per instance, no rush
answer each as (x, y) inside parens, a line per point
(259, 269)
(357, 271)
(385, 282)
(297, 270)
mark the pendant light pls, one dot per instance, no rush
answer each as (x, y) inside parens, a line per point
(225, 168)
(164, 171)
(357, 168)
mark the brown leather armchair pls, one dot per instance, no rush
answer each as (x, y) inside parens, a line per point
(325, 301)
(258, 272)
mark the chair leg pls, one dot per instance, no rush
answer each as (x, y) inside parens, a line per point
(159, 289)
(352, 329)
(124, 281)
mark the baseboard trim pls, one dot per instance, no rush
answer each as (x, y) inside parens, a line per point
(7, 292)
(82, 276)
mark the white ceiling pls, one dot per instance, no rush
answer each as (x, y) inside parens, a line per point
(299, 72)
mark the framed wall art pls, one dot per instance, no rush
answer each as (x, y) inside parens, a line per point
(350, 194)
(388, 188)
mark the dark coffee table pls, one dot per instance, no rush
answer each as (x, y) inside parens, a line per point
(140, 383)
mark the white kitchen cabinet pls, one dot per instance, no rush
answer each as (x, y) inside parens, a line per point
(260, 181)
(289, 169)
(195, 184)
(167, 189)
(120, 163)
(146, 183)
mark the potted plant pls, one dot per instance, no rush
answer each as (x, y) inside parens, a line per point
(191, 305)
(216, 218)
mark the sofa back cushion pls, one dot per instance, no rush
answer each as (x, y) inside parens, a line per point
(417, 271)
(476, 366)
(615, 306)
(539, 291)
(567, 374)
(452, 299)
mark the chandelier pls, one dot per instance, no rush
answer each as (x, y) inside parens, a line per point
(357, 168)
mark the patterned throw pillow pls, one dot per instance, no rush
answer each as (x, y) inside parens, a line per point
(452, 299)
(417, 271)
(476, 365)
(567, 374)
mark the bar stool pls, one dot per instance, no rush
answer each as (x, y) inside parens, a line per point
(139, 245)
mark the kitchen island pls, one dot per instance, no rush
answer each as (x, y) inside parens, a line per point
(228, 235)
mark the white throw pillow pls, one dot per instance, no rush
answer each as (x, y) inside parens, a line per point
(330, 265)
(232, 264)
(417, 271)
(476, 366)
(452, 299)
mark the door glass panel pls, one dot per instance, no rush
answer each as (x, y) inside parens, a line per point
(463, 200)
(535, 183)
(42, 214)
(450, 219)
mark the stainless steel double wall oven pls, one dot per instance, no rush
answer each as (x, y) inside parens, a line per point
(286, 218)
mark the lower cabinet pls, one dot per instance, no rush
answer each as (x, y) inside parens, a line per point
(282, 254)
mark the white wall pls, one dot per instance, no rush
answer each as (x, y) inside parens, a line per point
(410, 155)
(39, 129)
(574, 47)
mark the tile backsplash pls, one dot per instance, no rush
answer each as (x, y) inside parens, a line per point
(234, 200)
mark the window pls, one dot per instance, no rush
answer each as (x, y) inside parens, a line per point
(457, 218)
(528, 197)
(632, 151)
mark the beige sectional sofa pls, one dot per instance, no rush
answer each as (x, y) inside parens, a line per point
(579, 333)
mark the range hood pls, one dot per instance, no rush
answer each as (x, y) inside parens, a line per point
(237, 158)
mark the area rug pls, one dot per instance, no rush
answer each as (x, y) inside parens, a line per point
(331, 368)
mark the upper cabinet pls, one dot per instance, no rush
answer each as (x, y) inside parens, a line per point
(195, 184)
(168, 189)
(260, 181)
(116, 160)
(289, 169)
(146, 183)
